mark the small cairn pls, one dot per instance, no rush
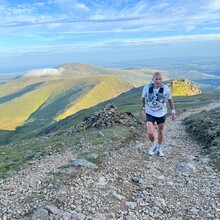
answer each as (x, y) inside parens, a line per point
(104, 118)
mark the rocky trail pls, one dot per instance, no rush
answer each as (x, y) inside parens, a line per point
(127, 185)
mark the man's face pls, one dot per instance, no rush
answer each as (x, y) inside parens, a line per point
(157, 81)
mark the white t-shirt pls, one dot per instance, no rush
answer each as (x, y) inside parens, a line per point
(155, 108)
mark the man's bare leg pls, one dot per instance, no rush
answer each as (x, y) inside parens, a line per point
(150, 132)
(160, 133)
(160, 139)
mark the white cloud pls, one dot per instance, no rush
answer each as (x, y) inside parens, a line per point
(64, 48)
(71, 6)
(45, 72)
(174, 39)
(100, 16)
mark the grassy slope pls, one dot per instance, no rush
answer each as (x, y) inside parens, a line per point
(62, 97)
(19, 93)
(19, 84)
(108, 88)
(15, 112)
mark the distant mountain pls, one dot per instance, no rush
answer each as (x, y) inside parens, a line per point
(53, 97)
(136, 77)
(53, 94)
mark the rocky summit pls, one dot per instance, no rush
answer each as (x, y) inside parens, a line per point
(123, 184)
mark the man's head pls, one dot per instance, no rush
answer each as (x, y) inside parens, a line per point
(157, 79)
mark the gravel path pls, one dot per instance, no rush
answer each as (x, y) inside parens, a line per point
(127, 185)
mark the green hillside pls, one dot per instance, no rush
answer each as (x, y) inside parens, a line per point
(108, 88)
(54, 98)
(17, 85)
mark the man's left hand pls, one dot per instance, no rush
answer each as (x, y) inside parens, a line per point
(173, 116)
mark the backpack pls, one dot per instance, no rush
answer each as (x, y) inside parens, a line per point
(160, 96)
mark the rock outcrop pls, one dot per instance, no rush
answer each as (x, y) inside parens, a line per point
(104, 118)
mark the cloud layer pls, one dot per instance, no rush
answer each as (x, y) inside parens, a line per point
(113, 15)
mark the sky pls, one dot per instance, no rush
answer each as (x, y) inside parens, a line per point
(49, 33)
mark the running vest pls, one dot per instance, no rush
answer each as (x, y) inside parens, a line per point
(160, 96)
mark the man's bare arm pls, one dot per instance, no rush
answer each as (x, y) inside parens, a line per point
(143, 102)
(171, 103)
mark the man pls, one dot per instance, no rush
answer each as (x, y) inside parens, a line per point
(154, 108)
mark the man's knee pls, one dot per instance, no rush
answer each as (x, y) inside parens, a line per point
(150, 133)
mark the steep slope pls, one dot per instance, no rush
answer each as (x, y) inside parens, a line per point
(50, 98)
(15, 86)
(108, 88)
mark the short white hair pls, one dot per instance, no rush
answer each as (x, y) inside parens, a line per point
(156, 74)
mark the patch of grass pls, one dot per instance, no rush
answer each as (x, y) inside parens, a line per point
(13, 155)
(86, 155)
(113, 136)
(60, 177)
(34, 197)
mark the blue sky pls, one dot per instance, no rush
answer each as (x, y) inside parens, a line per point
(47, 33)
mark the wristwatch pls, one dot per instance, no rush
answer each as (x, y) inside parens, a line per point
(143, 108)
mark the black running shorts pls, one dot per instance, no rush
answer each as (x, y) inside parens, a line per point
(155, 119)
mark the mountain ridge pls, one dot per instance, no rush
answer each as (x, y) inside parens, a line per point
(34, 100)
(135, 77)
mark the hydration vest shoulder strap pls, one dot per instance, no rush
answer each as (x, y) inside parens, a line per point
(161, 90)
(151, 88)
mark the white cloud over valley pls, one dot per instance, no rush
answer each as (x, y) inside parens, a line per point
(45, 72)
